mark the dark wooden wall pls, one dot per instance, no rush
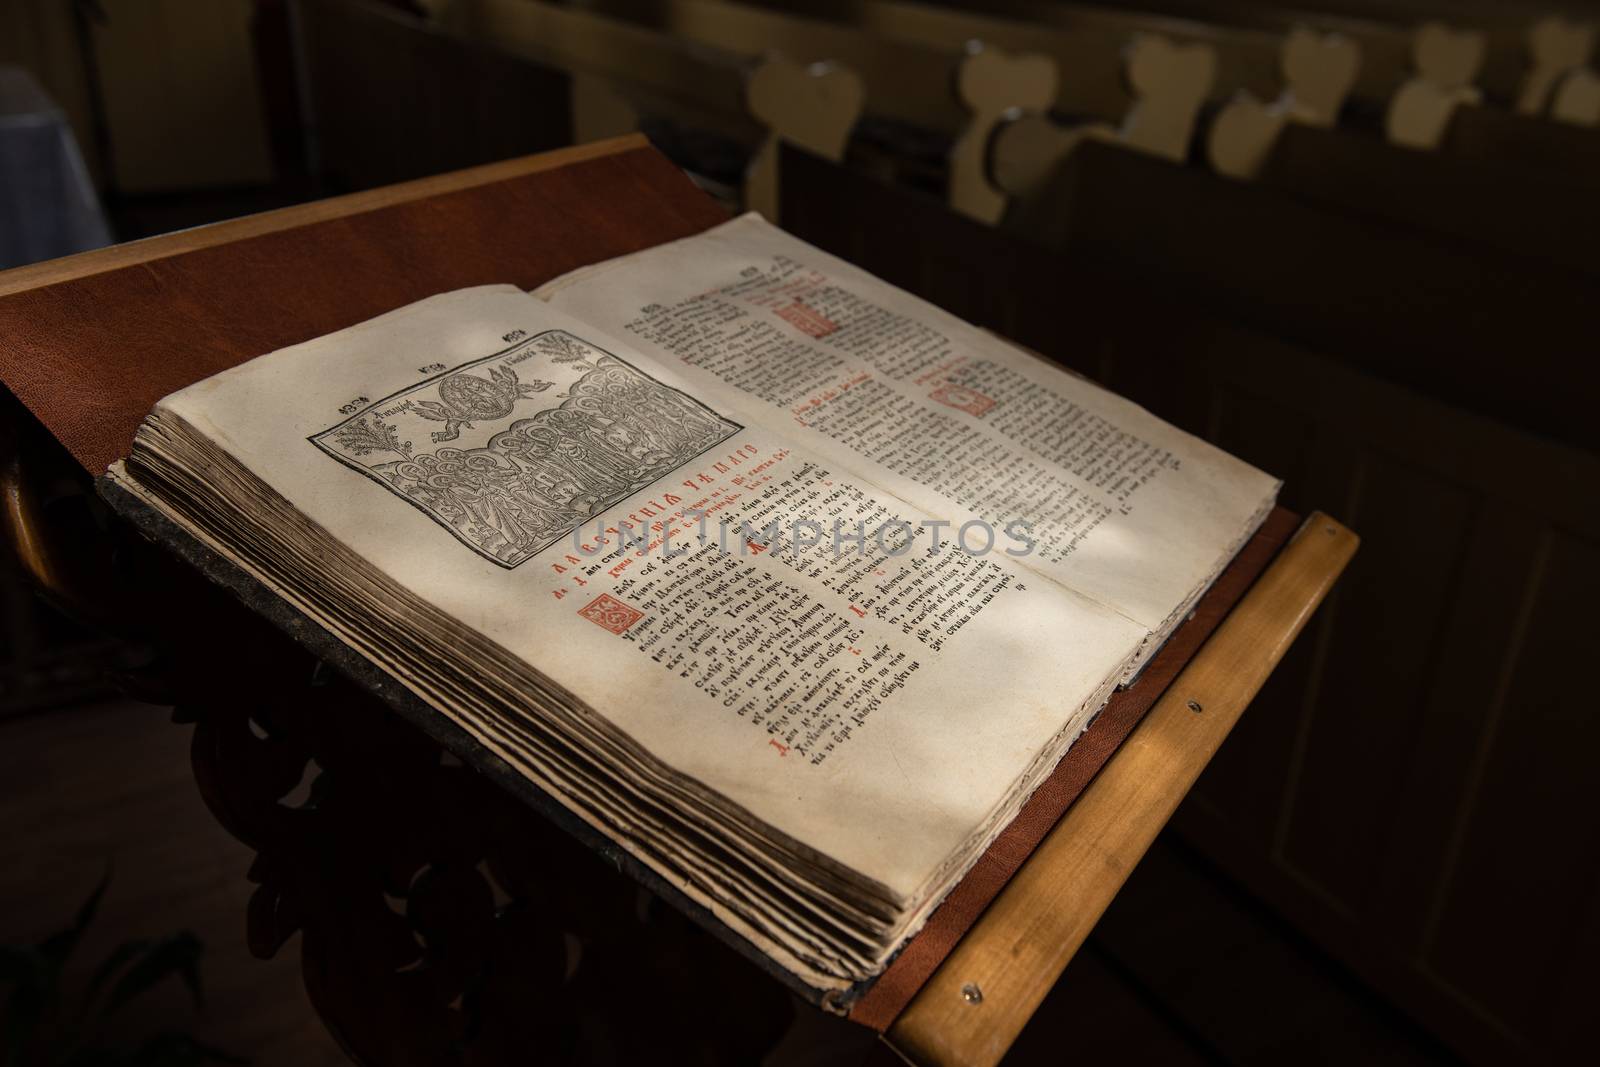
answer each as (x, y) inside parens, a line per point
(1414, 355)
(391, 97)
(1411, 789)
(1504, 202)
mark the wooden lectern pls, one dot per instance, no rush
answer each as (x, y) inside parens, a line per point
(94, 340)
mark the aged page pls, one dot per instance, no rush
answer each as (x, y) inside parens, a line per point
(1117, 505)
(628, 529)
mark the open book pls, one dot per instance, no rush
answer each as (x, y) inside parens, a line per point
(786, 582)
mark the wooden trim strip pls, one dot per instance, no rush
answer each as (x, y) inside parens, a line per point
(979, 999)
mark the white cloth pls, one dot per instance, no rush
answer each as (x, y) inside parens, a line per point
(48, 205)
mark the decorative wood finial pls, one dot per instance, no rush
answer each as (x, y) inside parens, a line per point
(1319, 71)
(1026, 148)
(1578, 99)
(811, 106)
(991, 83)
(1170, 83)
(1556, 48)
(1447, 63)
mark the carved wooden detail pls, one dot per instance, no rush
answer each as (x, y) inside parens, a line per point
(1556, 48)
(990, 83)
(1170, 84)
(1319, 71)
(813, 106)
(1447, 63)
(441, 920)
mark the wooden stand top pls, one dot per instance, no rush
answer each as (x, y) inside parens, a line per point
(95, 340)
(984, 993)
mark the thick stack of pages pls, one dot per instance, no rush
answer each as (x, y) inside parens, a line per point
(788, 583)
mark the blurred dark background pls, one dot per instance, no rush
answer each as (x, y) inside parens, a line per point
(1394, 858)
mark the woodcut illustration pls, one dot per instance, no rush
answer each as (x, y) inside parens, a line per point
(536, 439)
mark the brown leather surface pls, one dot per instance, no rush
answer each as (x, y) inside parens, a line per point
(893, 990)
(91, 356)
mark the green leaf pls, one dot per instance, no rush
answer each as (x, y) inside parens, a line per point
(58, 946)
(176, 955)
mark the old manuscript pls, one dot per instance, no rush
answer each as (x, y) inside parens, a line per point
(788, 583)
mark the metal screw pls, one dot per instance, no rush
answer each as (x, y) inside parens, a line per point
(1194, 705)
(971, 993)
